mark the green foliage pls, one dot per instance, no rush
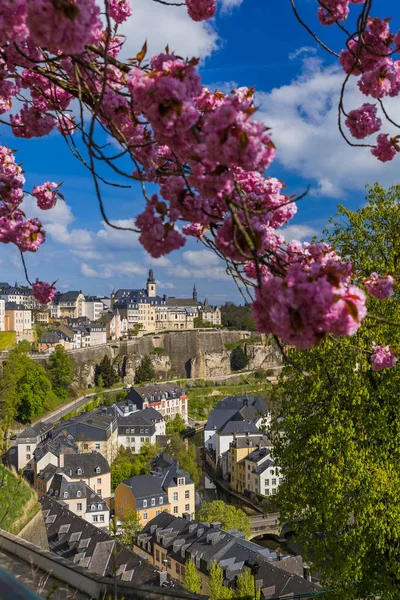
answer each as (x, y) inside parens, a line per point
(18, 503)
(175, 425)
(34, 392)
(216, 584)
(186, 455)
(7, 340)
(145, 371)
(105, 375)
(239, 359)
(204, 399)
(199, 323)
(128, 464)
(340, 452)
(158, 351)
(131, 526)
(60, 371)
(237, 317)
(192, 579)
(242, 342)
(246, 587)
(228, 515)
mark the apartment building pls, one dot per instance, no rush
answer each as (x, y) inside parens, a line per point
(239, 449)
(165, 489)
(70, 304)
(167, 398)
(80, 499)
(135, 431)
(262, 475)
(93, 308)
(21, 455)
(18, 318)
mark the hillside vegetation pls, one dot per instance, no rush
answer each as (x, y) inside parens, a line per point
(18, 502)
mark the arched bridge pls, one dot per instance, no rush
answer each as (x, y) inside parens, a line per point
(265, 524)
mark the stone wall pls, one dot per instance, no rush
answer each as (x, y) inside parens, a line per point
(35, 532)
(189, 354)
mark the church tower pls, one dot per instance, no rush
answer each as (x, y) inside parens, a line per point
(151, 285)
(194, 293)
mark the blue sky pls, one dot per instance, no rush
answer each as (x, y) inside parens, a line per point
(250, 42)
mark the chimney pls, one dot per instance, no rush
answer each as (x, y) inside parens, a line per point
(61, 460)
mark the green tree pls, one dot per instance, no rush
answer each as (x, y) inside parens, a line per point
(34, 392)
(145, 371)
(229, 516)
(185, 455)
(107, 373)
(340, 448)
(246, 587)
(216, 583)
(127, 464)
(13, 370)
(175, 425)
(192, 578)
(237, 317)
(131, 526)
(239, 359)
(60, 372)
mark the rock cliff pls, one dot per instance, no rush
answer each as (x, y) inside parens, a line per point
(188, 354)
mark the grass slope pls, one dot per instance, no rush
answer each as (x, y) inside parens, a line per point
(18, 502)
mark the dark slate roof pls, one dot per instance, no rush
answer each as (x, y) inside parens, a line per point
(61, 486)
(53, 337)
(35, 430)
(154, 393)
(10, 458)
(15, 306)
(238, 402)
(258, 454)
(135, 426)
(262, 440)
(88, 463)
(17, 291)
(217, 418)
(4, 285)
(88, 426)
(263, 467)
(82, 543)
(163, 461)
(238, 426)
(183, 302)
(48, 472)
(151, 414)
(57, 443)
(70, 296)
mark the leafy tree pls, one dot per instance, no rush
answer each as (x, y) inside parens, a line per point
(177, 424)
(34, 392)
(229, 516)
(128, 464)
(131, 526)
(246, 587)
(107, 373)
(192, 578)
(60, 371)
(216, 583)
(237, 317)
(186, 456)
(145, 371)
(340, 448)
(239, 359)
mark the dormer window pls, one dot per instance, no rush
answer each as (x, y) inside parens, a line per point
(144, 503)
(65, 494)
(100, 507)
(79, 471)
(93, 507)
(98, 469)
(78, 494)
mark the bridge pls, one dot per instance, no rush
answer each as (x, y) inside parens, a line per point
(265, 525)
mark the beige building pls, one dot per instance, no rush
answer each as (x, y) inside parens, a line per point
(167, 398)
(167, 488)
(239, 449)
(17, 318)
(21, 456)
(69, 305)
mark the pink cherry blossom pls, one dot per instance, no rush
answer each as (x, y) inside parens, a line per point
(200, 10)
(332, 11)
(29, 235)
(119, 10)
(46, 195)
(43, 292)
(382, 357)
(385, 149)
(380, 288)
(30, 122)
(363, 121)
(13, 21)
(158, 236)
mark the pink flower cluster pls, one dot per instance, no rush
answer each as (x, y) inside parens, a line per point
(363, 121)
(30, 122)
(385, 149)
(380, 288)
(157, 236)
(200, 10)
(382, 357)
(43, 292)
(314, 299)
(119, 10)
(46, 194)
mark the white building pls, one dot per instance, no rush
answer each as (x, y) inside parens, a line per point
(20, 456)
(2, 313)
(97, 333)
(93, 307)
(262, 475)
(134, 432)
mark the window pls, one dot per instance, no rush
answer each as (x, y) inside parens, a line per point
(274, 482)
(175, 510)
(187, 494)
(144, 503)
(175, 496)
(78, 494)
(145, 516)
(97, 446)
(102, 518)
(161, 500)
(79, 506)
(93, 507)
(266, 482)
(267, 492)
(99, 507)
(85, 446)
(157, 555)
(28, 448)
(28, 457)
(99, 480)
(158, 512)
(177, 569)
(65, 494)
(95, 518)
(181, 481)
(274, 491)
(79, 471)
(153, 501)
(187, 507)
(99, 493)
(272, 472)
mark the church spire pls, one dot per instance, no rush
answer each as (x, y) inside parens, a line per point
(194, 293)
(150, 278)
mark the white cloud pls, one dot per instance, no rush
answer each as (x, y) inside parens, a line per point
(167, 25)
(228, 5)
(201, 258)
(88, 271)
(164, 285)
(117, 238)
(297, 232)
(303, 118)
